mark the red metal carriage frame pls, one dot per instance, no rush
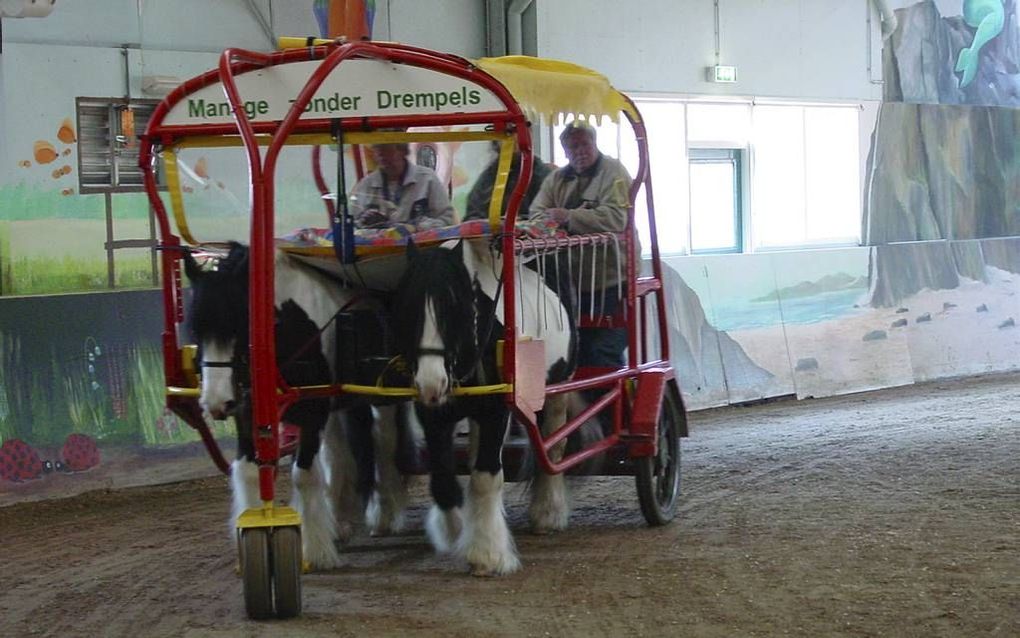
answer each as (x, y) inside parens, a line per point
(270, 394)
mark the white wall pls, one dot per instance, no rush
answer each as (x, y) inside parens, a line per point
(453, 26)
(810, 49)
(181, 25)
(76, 50)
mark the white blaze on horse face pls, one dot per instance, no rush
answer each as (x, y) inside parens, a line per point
(431, 378)
(217, 382)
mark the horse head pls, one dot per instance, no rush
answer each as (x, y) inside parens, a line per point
(435, 320)
(218, 319)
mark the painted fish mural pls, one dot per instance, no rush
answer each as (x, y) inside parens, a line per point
(988, 18)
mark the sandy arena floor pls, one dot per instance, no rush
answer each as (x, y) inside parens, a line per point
(894, 513)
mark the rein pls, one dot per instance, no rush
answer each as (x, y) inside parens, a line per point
(318, 335)
(478, 344)
(488, 330)
(241, 361)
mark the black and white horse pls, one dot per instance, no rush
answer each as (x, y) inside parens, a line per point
(447, 318)
(325, 489)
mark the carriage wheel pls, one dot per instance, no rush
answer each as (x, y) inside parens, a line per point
(658, 477)
(286, 554)
(256, 574)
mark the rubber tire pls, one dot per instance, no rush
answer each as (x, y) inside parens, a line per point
(658, 477)
(256, 574)
(286, 544)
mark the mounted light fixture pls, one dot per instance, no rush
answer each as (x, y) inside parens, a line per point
(160, 84)
(26, 8)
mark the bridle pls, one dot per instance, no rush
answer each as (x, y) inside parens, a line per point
(449, 362)
(239, 365)
(450, 359)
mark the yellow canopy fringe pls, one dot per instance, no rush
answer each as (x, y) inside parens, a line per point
(552, 89)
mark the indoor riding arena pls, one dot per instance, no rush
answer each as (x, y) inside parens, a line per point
(509, 318)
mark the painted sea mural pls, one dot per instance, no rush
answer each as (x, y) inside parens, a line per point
(826, 322)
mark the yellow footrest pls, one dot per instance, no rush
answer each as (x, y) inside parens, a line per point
(268, 516)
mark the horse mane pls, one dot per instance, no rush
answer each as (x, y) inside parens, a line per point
(438, 275)
(218, 310)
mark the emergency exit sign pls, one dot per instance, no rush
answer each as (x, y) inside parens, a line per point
(722, 74)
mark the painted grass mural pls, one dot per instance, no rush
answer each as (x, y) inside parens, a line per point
(82, 398)
(50, 243)
(114, 395)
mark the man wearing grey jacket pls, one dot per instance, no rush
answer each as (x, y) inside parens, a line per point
(400, 192)
(591, 195)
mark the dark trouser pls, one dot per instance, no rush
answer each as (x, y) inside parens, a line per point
(601, 346)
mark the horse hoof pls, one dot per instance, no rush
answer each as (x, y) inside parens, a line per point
(443, 529)
(386, 526)
(490, 564)
(548, 523)
(320, 564)
(344, 533)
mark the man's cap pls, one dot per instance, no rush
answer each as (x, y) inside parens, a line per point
(576, 126)
(404, 146)
(393, 129)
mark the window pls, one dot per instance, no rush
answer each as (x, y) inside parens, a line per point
(755, 176)
(669, 176)
(108, 144)
(108, 130)
(806, 179)
(716, 195)
(733, 176)
(726, 125)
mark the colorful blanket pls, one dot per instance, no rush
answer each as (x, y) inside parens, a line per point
(398, 235)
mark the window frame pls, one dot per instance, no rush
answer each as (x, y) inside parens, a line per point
(109, 143)
(718, 154)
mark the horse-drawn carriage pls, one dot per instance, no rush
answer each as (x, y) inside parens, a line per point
(472, 319)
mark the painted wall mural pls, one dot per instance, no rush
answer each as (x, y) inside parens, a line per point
(987, 18)
(943, 172)
(44, 153)
(82, 399)
(819, 323)
(933, 293)
(970, 57)
(944, 179)
(52, 237)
